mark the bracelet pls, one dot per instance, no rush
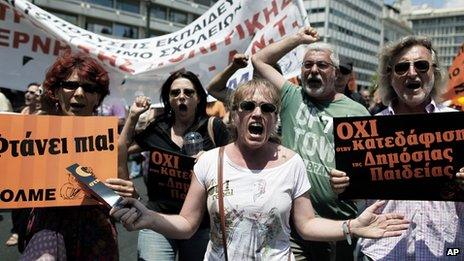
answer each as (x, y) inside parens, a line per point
(347, 223)
(346, 230)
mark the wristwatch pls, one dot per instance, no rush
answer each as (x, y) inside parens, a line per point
(346, 230)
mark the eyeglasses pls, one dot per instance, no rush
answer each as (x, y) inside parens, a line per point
(251, 105)
(344, 71)
(321, 65)
(402, 68)
(187, 92)
(74, 85)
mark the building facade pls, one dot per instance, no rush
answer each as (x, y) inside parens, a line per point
(354, 27)
(394, 24)
(127, 18)
(444, 26)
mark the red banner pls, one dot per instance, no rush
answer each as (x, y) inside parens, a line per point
(455, 91)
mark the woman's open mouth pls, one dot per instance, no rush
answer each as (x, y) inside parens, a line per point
(183, 107)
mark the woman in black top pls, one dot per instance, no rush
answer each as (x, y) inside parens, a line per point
(184, 100)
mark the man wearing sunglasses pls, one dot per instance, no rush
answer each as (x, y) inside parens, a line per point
(346, 70)
(345, 75)
(307, 116)
(411, 81)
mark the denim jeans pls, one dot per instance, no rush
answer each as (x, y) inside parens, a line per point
(153, 246)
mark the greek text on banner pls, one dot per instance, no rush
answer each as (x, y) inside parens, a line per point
(36, 150)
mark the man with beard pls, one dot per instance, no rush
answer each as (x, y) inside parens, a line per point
(412, 81)
(307, 117)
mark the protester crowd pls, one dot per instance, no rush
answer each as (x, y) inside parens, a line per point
(257, 190)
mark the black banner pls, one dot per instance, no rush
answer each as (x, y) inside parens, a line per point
(404, 157)
(170, 174)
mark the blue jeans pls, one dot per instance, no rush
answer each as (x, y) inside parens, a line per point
(153, 246)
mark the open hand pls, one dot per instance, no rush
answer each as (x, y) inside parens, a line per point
(372, 225)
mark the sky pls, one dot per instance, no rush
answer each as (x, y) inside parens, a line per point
(436, 3)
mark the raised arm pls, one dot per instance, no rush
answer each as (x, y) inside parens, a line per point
(271, 54)
(218, 85)
(125, 143)
(368, 224)
(134, 215)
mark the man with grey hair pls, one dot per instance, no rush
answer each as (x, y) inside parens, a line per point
(411, 81)
(307, 116)
(410, 85)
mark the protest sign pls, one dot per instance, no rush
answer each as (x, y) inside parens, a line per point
(455, 91)
(36, 150)
(406, 157)
(170, 174)
(31, 38)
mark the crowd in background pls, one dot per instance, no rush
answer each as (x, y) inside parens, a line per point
(290, 211)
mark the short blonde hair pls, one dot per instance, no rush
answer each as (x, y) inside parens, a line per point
(245, 90)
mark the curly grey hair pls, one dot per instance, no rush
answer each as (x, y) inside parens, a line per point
(391, 51)
(322, 46)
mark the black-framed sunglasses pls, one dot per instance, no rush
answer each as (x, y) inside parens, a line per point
(265, 107)
(187, 92)
(321, 65)
(73, 85)
(420, 66)
(345, 71)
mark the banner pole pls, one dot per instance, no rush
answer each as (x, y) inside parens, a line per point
(302, 10)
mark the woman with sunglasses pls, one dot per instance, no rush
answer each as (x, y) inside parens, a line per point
(184, 100)
(76, 84)
(264, 184)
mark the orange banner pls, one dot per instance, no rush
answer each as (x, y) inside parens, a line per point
(455, 91)
(36, 150)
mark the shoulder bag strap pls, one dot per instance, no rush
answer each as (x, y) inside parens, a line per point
(211, 130)
(221, 201)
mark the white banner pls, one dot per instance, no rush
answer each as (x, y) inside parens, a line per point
(31, 38)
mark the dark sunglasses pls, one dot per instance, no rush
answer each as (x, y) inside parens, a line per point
(344, 70)
(87, 87)
(251, 105)
(402, 68)
(321, 65)
(187, 92)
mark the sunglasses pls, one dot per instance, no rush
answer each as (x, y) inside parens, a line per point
(87, 87)
(187, 92)
(344, 70)
(402, 68)
(321, 65)
(251, 105)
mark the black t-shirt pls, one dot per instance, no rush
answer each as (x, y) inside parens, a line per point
(158, 135)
